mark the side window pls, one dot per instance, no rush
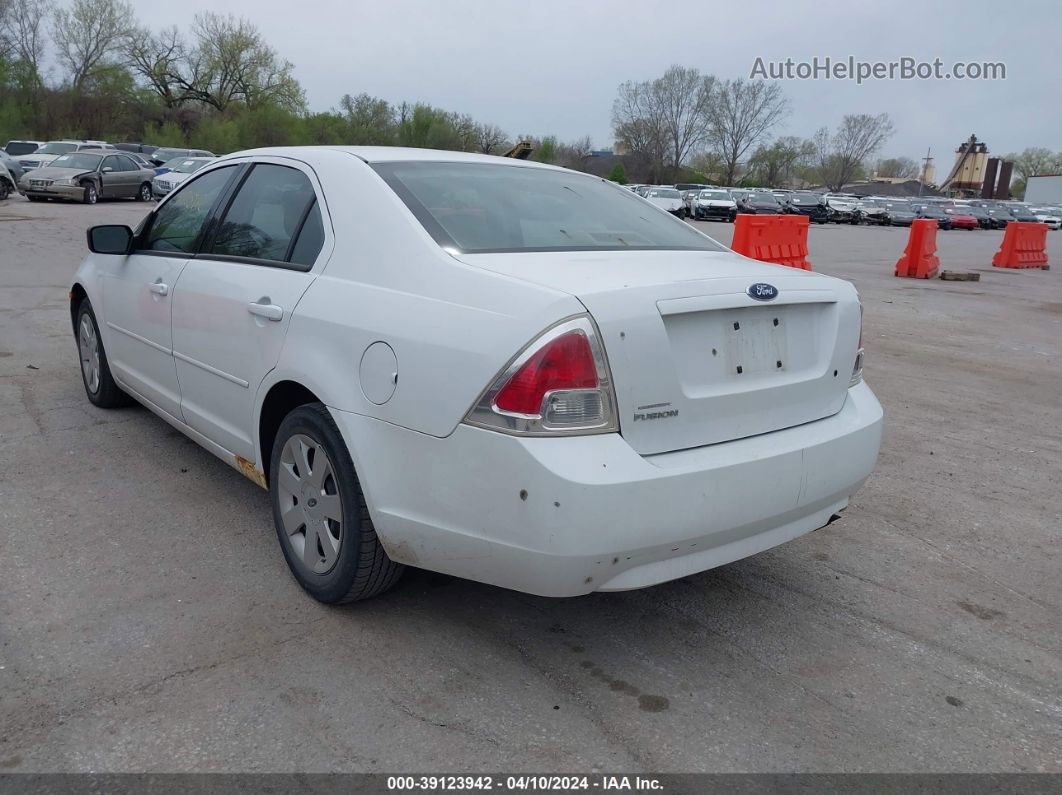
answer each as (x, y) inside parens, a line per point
(128, 164)
(266, 214)
(310, 240)
(177, 223)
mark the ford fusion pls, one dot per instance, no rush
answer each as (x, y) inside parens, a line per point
(496, 369)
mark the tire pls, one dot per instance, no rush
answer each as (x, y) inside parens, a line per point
(96, 376)
(359, 568)
(144, 194)
(91, 194)
(5, 189)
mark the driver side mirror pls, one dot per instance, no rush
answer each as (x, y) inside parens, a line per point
(110, 239)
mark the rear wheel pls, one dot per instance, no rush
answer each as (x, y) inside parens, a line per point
(144, 194)
(320, 514)
(100, 387)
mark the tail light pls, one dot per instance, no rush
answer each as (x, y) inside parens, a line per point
(857, 368)
(559, 384)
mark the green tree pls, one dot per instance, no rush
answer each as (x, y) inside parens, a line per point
(618, 173)
(546, 151)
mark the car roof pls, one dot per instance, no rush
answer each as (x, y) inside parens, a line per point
(395, 154)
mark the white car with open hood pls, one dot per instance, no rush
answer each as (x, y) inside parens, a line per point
(493, 368)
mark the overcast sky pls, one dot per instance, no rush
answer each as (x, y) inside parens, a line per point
(547, 66)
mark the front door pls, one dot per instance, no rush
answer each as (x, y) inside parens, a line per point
(234, 301)
(138, 292)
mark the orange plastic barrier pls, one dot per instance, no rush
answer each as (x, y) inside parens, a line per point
(1024, 246)
(919, 260)
(781, 239)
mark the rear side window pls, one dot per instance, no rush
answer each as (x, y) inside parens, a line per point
(265, 217)
(177, 223)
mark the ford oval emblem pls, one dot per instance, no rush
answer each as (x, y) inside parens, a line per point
(762, 292)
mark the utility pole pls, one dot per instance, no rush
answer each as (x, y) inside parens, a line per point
(925, 170)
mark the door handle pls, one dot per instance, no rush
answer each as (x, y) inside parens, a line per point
(268, 311)
(159, 288)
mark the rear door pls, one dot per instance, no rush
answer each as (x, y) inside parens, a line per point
(234, 300)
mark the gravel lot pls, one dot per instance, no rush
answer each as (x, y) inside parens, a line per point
(148, 621)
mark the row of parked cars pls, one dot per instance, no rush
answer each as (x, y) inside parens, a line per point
(704, 202)
(88, 171)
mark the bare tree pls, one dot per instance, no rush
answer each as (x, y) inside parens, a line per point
(743, 114)
(842, 154)
(489, 138)
(637, 127)
(666, 118)
(1035, 161)
(575, 153)
(22, 24)
(682, 98)
(158, 58)
(89, 34)
(900, 167)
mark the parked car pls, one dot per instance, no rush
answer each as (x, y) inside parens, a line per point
(842, 209)
(1000, 216)
(1021, 212)
(899, 213)
(808, 204)
(19, 148)
(8, 181)
(984, 220)
(88, 176)
(178, 171)
(666, 198)
(715, 203)
(1051, 216)
(871, 211)
(140, 149)
(53, 149)
(14, 168)
(164, 154)
(604, 449)
(739, 195)
(931, 212)
(962, 217)
(761, 202)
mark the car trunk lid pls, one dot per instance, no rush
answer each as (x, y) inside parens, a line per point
(695, 359)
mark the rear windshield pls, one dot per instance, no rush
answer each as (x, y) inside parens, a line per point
(483, 207)
(16, 148)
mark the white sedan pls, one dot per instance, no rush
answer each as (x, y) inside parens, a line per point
(178, 170)
(493, 368)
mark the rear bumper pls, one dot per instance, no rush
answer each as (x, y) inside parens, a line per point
(567, 516)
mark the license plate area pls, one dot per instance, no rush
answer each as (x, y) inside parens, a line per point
(756, 341)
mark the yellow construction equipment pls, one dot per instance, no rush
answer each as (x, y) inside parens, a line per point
(521, 151)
